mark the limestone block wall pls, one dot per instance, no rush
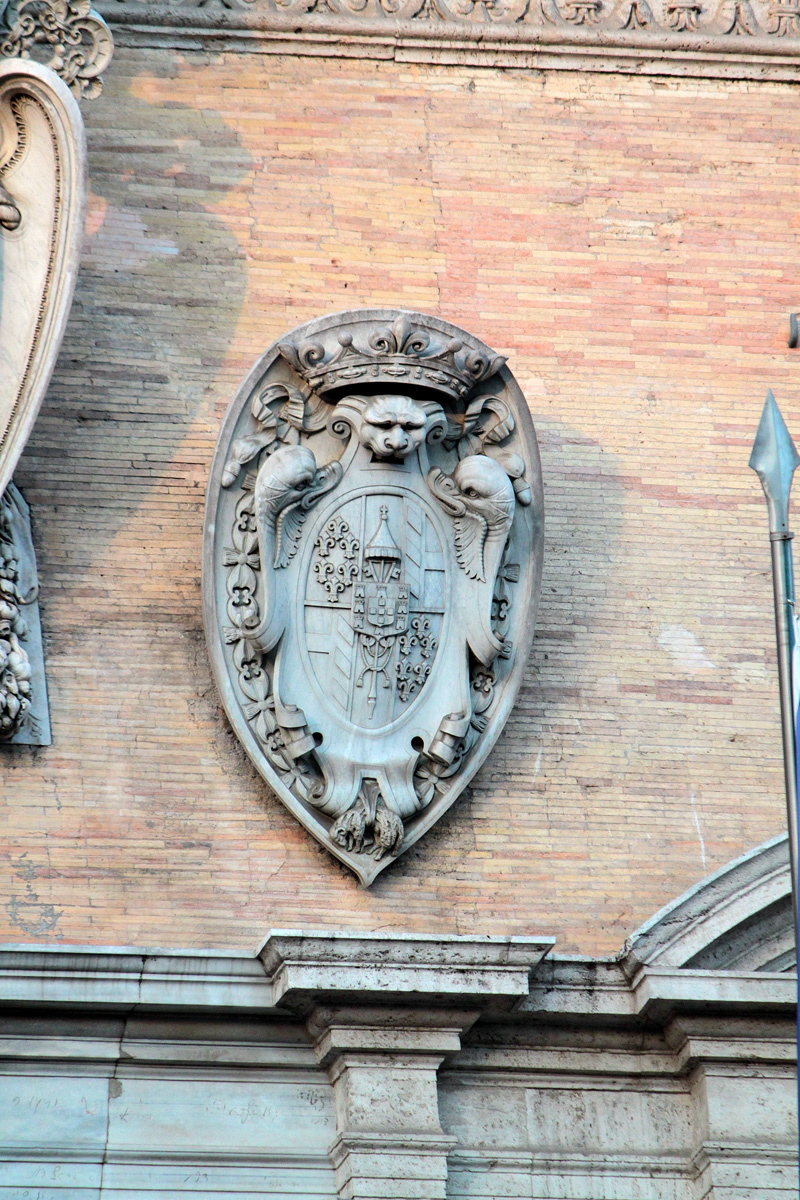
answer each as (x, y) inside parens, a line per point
(238, 1109)
(126, 1075)
(632, 245)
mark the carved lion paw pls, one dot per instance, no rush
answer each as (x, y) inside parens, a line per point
(387, 832)
(349, 830)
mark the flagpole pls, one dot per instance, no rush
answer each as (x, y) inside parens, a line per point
(774, 458)
(783, 590)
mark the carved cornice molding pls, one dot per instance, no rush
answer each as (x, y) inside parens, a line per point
(757, 39)
(66, 35)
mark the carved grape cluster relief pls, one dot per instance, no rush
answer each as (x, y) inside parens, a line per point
(23, 702)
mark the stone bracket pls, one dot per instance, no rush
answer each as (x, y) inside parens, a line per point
(491, 971)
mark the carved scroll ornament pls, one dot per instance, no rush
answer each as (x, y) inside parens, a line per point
(758, 39)
(372, 566)
(67, 36)
(718, 19)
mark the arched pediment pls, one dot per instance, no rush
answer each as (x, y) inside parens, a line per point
(738, 919)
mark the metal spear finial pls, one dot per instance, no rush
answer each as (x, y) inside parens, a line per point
(775, 459)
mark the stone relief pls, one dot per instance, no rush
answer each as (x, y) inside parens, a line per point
(641, 22)
(42, 206)
(23, 697)
(372, 564)
(66, 35)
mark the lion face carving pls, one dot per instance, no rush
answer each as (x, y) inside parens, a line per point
(393, 426)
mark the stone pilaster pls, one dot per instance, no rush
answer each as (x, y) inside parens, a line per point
(384, 1011)
(744, 1101)
(383, 1068)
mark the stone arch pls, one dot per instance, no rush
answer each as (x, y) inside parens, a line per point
(738, 919)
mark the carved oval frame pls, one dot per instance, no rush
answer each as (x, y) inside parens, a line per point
(43, 168)
(272, 369)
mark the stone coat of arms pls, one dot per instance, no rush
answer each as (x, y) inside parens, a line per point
(372, 566)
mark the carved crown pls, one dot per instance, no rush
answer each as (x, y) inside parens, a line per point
(398, 354)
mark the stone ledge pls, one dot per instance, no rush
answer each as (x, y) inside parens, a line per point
(124, 979)
(737, 39)
(397, 967)
(292, 968)
(659, 991)
(298, 971)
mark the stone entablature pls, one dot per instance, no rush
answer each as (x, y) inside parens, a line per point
(741, 39)
(407, 1066)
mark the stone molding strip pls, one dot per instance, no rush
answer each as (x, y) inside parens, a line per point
(737, 39)
(290, 971)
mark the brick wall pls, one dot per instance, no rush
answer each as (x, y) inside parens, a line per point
(632, 246)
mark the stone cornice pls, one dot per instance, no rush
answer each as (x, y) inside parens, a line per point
(299, 971)
(741, 39)
(485, 970)
(292, 969)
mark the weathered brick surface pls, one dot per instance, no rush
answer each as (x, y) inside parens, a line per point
(632, 246)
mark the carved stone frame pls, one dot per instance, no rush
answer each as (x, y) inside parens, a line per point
(42, 216)
(528, 587)
(22, 162)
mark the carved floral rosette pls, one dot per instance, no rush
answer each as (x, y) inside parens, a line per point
(372, 564)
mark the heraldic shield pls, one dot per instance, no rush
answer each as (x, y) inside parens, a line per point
(372, 568)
